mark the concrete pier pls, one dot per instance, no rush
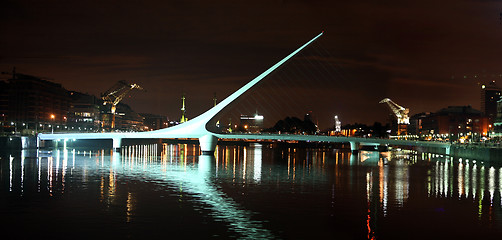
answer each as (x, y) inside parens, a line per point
(354, 147)
(208, 144)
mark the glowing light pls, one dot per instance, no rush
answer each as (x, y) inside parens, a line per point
(258, 117)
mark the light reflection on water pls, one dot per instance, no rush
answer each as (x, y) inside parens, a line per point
(229, 188)
(195, 179)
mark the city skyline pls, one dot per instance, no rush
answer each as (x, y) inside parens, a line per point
(425, 56)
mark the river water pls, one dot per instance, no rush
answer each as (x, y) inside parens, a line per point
(246, 192)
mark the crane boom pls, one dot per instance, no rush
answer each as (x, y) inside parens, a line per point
(400, 112)
(115, 94)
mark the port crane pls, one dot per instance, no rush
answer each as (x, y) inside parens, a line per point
(115, 94)
(401, 113)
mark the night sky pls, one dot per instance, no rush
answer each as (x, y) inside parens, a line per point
(424, 55)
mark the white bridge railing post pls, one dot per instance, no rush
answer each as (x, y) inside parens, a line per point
(117, 143)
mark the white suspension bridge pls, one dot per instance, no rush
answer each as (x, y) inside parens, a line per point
(196, 128)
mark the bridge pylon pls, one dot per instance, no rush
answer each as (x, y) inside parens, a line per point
(354, 147)
(193, 128)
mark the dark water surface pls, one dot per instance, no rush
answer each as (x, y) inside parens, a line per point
(253, 192)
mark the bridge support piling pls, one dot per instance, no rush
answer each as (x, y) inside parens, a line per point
(354, 147)
(208, 144)
(117, 143)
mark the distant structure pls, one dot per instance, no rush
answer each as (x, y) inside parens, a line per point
(338, 124)
(154, 121)
(31, 105)
(337, 129)
(230, 128)
(490, 95)
(84, 113)
(114, 95)
(183, 110)
(215, 101)
(418, 123)
(128, 120)
(497, 125)
(454, 123)
(401, 114)
(252, 123)
(4, 105)
(29, 102)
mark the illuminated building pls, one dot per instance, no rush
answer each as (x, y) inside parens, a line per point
(490, 95)
(453, 122)
(418, 122)
(84, 112)
(252, 123)
(497, 125)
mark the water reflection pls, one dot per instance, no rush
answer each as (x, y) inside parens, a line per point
(176, 165)
(447, 178)
(383, 180)
(179, 166)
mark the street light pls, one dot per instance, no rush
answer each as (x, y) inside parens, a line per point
(52, 119)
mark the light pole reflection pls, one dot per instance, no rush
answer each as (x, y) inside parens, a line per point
(257, 162)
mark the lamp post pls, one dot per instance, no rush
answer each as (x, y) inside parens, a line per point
(52, 119)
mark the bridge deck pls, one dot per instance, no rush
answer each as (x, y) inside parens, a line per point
(281, 137)
(334, 139)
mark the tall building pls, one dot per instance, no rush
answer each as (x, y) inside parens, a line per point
(33, 101)
(490, 95)
(496, 128)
